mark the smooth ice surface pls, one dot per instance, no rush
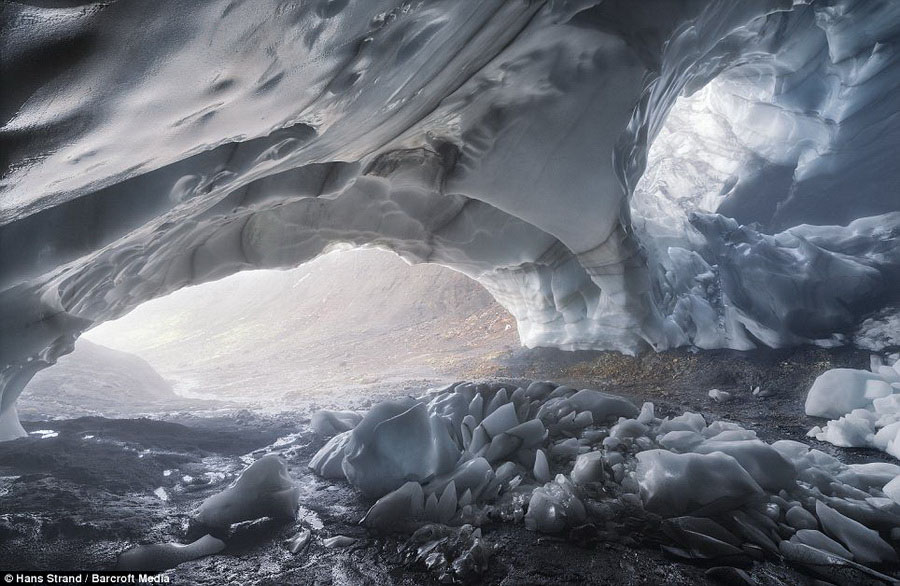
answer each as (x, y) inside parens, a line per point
(329, 423)
(264, 489)
(839, 391)
(674, 484)
(865, 544)
(163, 556)
(396, 442)
(619, 175)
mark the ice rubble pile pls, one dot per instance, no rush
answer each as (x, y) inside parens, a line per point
(560, 459)
(455, 554)
(504, 139)
(863, 407)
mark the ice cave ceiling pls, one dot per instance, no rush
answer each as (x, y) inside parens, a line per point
(149, 146)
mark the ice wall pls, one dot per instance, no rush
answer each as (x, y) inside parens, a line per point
(152, 147)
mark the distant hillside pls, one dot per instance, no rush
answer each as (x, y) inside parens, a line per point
(345, 318)
(95, 379)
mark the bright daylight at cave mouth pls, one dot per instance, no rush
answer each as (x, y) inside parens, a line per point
(450, 292)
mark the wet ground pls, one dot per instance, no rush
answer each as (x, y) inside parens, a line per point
(77, 498)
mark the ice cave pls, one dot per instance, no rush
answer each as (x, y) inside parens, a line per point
(282, 285)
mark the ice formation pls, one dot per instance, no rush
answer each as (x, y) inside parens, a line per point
(530, 455)
(163, 556)
(864, 407)
(264, 489)
(147, 151)
(329, 423)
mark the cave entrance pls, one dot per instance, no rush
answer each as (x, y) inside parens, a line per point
(350, 319)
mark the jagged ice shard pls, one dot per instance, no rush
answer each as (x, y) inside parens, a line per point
(618, 174)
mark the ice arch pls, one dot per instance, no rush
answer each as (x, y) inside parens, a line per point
(153, 147)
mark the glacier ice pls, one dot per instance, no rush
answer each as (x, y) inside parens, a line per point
(163, 556)
(396, 442)
(339, 541)
(764, 464)
(693, 483)
(819, 540)
(554, 506)
(864, 407)
(329, 461)
(619, 175)
(839, 391)
(264, 489)
(588, 468)
(329, 423)
(299, 542)
(864, 543)
(457, 554)
(800, 519)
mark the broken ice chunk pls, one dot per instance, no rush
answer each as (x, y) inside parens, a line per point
(856, 429)
(329, 423)
(480, 440)
(830, 566)
(391, 510)
(339, 541)
(501, 419)
(539, 390)
(541, 467)
(704, 539)
(164, 556)
(567, 448)
(685, 422)
(681, 441)
(431, 507)
(500, 398)
(767, 467)
(839, 391)
(819, 540)
(892, 489)
(675, 484)
(532, 433)
(628, 428)
(888, 439)
(554, 506)
(872, 474)
(602, 405)
(732, 435)
(473, 475)
(799, 518)
(328, 461)
(500, 447)
(446, 507)
(476, 408)
(264, 489)
(397, 442)
(588, 468)
(719, 396)
(865, 544)
(299, 542)
(646, 415)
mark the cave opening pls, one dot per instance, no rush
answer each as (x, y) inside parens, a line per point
(347, 322)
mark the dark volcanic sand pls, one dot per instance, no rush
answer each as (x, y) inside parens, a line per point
(71, 502)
